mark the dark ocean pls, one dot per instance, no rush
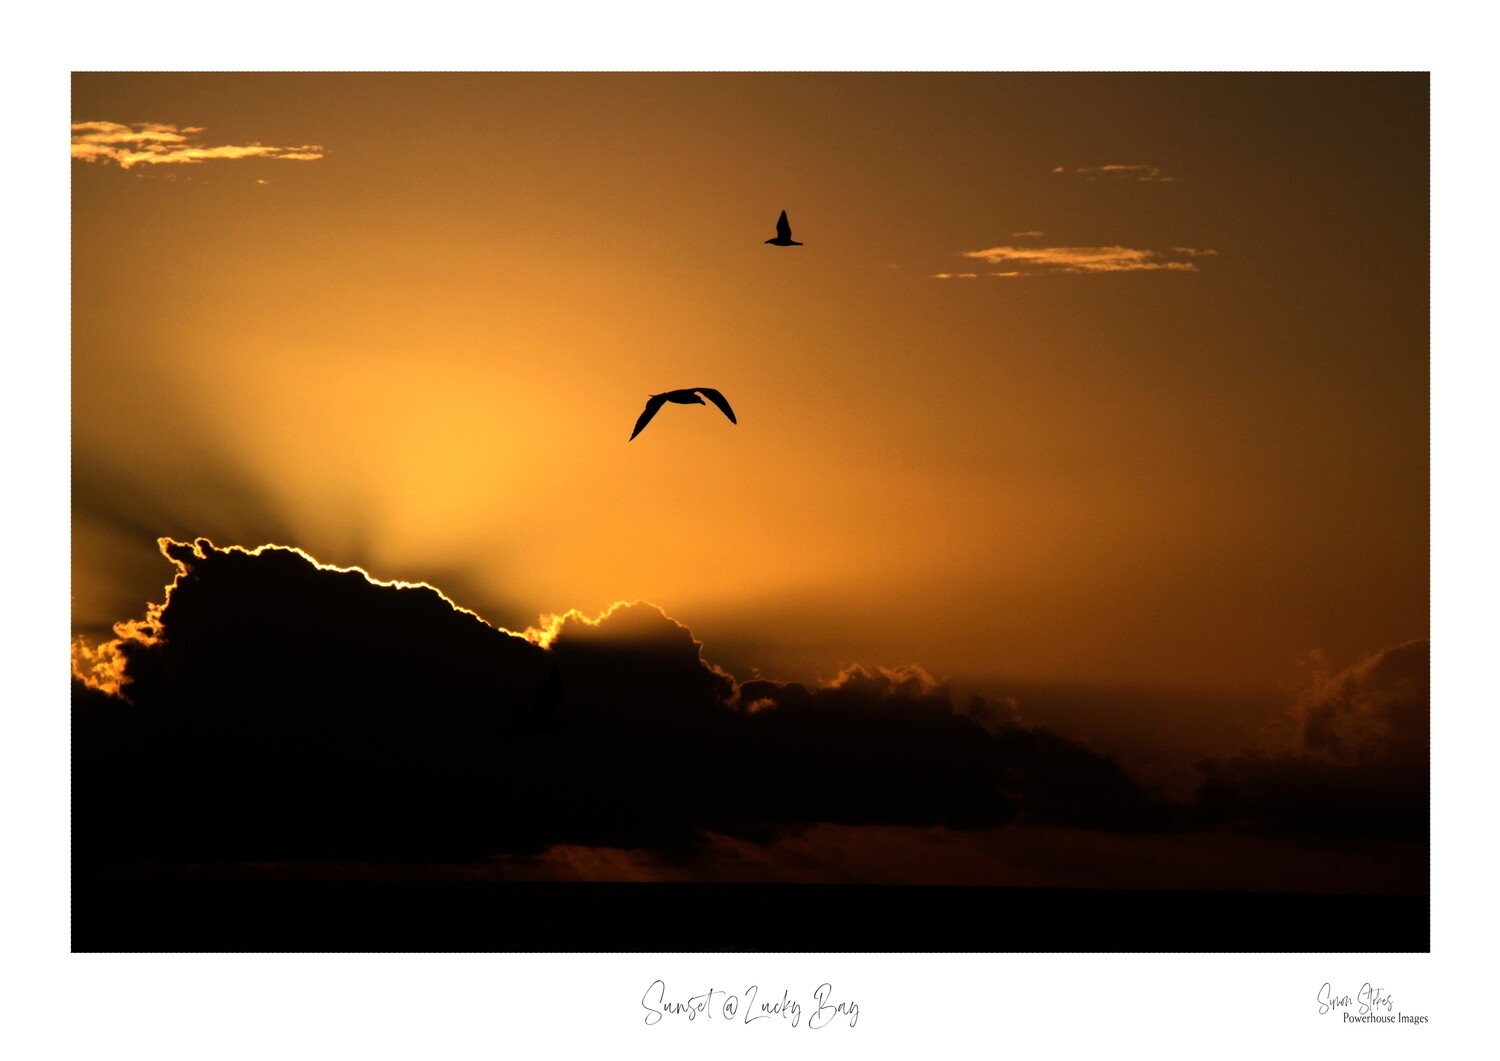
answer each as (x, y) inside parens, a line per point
(184, 914)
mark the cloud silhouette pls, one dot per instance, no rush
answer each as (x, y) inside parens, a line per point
(275, 705)
(1376, 711)
(121, 506)
(1358, 764)
(272, 707)
(155, 143)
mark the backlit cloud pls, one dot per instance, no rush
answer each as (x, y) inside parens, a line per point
(275, 707)
(1030, 261)
(156, 143)
(1113, 171)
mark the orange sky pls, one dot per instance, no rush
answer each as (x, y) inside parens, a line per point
(407, 323)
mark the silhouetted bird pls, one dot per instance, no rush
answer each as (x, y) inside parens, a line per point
(682, 397)
(783, 233)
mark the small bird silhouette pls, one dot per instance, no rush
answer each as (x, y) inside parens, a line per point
(689, 396)
(783, 233)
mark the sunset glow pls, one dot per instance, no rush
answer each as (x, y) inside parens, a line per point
(1187, 452)
(1076, 479)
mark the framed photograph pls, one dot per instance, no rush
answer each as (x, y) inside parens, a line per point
(528, 521)
(654, 557)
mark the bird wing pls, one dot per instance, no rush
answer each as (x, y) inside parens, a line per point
(783, 227)
(719, 400)
(655, 402)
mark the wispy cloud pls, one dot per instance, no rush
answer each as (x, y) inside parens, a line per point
(955, 276)
(1027, 235)
(1032, 261)
(155, 143)
(1114, 171)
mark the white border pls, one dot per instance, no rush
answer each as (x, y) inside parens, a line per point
(379, 1006)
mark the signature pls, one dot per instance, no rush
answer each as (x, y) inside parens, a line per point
(1367, 999)
(748, 1006)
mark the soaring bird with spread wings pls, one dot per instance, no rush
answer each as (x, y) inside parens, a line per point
(783, 233)
(682, 397)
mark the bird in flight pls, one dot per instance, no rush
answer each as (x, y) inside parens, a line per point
(783, 233)
(689, 396)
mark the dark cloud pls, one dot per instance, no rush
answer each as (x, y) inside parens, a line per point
(279, 707)
(276, 708)
(120, 506)
(1375, 712)
(892, 739)
(1358, 761)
